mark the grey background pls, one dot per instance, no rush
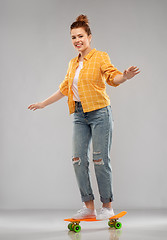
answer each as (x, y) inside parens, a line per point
(35, 47)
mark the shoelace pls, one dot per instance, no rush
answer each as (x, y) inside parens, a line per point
(102, 210)
(81, 210)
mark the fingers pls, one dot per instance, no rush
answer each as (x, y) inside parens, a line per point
(29, 107)
(32, 107)
(134, 69)
(137, 72)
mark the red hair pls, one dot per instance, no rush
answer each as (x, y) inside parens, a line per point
(81, 21)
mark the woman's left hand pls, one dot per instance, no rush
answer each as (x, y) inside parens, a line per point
(130, 72)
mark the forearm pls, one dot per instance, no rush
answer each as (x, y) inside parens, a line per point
(53, 98)
(119, 79)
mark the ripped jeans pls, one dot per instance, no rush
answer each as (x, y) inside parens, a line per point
(96, 126)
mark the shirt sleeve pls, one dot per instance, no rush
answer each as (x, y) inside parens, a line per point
(109, 70)
(64, 85)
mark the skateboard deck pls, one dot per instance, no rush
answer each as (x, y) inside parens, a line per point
(113, 222)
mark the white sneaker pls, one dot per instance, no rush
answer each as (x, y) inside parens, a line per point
(85, 213)
(105, 213)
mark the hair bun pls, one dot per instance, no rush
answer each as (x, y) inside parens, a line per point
(82, 18)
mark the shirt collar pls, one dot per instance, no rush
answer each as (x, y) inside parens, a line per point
(89, 55)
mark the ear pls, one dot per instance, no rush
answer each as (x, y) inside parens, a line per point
(90, 37)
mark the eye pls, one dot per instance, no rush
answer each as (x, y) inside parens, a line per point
(80, 36)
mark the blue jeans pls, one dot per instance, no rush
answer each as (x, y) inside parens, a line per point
(96, 126)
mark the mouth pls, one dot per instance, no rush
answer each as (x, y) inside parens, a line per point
(78, 45)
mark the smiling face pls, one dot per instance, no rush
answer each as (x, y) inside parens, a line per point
(80, 39)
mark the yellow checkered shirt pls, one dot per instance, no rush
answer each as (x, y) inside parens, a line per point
(97, 69)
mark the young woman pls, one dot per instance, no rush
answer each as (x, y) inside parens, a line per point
(84, 84)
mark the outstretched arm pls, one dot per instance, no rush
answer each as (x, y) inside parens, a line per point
(53, 98)
(127, 74)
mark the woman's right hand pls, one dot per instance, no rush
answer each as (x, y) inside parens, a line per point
(36, 106)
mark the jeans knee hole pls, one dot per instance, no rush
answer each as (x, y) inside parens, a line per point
(96, 152)
(76, 160)
(98, 162)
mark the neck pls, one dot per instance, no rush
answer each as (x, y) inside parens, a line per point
(84, 53)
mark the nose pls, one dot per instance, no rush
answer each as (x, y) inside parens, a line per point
(77, 42)
(77, 39)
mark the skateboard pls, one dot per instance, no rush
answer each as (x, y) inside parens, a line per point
(112, 223)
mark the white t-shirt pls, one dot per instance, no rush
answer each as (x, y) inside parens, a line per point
(75, 82)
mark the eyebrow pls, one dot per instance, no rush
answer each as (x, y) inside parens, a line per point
(78, 35)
